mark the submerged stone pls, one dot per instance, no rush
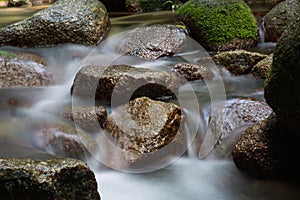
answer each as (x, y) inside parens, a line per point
(100, 83)
(16, 72)
(66, 21)
(238, 62)
(47, 179)
(144, 126)
(63, 139)
(153, 42)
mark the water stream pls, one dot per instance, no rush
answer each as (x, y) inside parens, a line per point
(188, 178)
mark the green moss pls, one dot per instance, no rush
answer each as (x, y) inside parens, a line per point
(219, 21)
(7, 54)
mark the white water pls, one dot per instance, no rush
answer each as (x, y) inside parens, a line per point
(188, 178)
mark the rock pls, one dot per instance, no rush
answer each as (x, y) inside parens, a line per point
(150, 5)
(220, 25)
(191, 72)
(238, 62)
(115, 5)
(123, 81)
(233, 117)
(153, 42)
(46, 179)
(64, 140)
(153, 125)
(276, 20)
(282, 86)
(66, 21)
(267, 149)
(16, 72)
(262, 68)
(89, 119)
(30, 57)
(19, 3)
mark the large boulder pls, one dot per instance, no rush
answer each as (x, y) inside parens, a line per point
(18, 3)
(101, 83)
(282, 86)
(66, 21)
(46, 179)
(153, 125)
(238, 62)
(220, 25)
(276, 20)
(18, 72)
(267, 149)
(154, 41)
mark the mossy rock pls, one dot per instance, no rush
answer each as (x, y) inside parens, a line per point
(282, 86)
(220, 25)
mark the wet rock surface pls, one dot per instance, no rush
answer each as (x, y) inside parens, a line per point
(63, 139)
(16, 72)
(66, 21)
(144, 126)
(262, 68)
(238, 62)
(267, 149)
(233, 117)
(87, 118)
(191, 72)
(282, 85)
(279, 17)
(153, 42)
(124, 81)
(46, 179)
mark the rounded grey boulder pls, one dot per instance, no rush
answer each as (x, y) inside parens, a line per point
(66, 21)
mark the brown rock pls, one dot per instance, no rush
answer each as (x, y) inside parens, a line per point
(191, 72)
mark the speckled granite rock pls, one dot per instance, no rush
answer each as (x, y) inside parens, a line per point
(238, 62)
(66, 21)
(153, 42)
(191, 72)
(267, 149)
(262, 68)
(101, 82)
(15, 72)
(153, 125)
(46, 179)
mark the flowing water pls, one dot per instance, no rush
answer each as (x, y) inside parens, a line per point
(187, 177)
